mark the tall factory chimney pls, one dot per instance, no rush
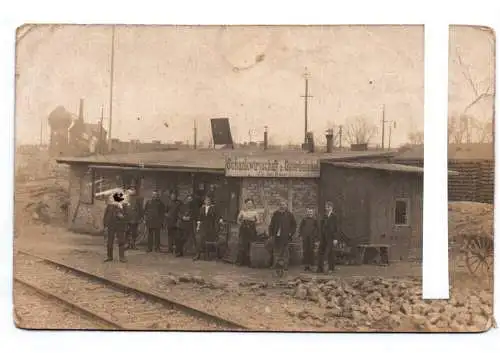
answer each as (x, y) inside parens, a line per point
(329, 141)
(265, 138)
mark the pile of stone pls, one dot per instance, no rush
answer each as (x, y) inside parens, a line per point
(394, 305)
(172, 279)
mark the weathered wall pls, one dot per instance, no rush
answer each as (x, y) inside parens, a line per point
(405, 240)
(267, 193)
(83, 217)
(475, 181)
(87, 217)
(365, 202)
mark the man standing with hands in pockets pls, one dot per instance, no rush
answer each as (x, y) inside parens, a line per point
(329, 235)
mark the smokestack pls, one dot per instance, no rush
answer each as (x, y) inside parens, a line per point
(265, 138)
(80, 110)
(329, 141)
(310, 142)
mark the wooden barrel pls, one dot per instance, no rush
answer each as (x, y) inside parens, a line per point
(295, 249)
(260, 257)
(232, 246)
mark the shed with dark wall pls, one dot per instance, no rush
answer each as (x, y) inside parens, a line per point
(377, 204)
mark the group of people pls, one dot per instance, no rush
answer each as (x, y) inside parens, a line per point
(283, 226)
(199, 222)
(181, 219)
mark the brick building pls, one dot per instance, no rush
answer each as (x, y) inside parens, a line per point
(475, 166)
(268, 177)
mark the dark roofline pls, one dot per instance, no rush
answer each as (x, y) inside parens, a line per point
(385, 167)
(361, 157)
(159, 168)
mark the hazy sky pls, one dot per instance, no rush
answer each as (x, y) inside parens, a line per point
(178, 74)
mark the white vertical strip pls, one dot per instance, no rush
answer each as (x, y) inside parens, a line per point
(435, 237)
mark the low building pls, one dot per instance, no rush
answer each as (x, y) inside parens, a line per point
(268, 177)
(377, 203)
(474, 163)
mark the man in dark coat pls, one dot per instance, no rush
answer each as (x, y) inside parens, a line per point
(207, 226)
(154, 213)
(136, 212)
(172, 219)
(115, 224)
(281, 230)
(186, 224)
(329, 235)
(309, 232)
(211, 193)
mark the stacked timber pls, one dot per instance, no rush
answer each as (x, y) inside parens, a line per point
(485, 192)
(462, 187)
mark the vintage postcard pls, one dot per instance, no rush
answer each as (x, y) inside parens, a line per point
(255, 178)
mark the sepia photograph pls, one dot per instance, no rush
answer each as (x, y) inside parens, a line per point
(245, 178)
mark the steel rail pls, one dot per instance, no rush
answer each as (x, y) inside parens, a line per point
(71, 305)
(162, 299)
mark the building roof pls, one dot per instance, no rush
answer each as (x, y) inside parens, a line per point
(388, 167)
(471, 151)
(206, 159)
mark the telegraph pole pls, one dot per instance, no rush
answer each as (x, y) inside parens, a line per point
(383, 126)
(101, 142)
(112, 74)
(195, 143)
(390, 122)
(306, 97)
(340, 136)
(41, 132)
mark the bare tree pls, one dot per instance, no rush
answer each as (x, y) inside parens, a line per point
(359, 130)
(466, 128)
(416, 138)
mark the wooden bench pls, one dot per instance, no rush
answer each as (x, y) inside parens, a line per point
(382, 251)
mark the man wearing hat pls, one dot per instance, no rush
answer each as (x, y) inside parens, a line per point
(115, 224)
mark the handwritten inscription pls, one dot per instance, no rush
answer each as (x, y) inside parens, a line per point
(274, 168)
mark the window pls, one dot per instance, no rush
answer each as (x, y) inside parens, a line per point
(401, 213)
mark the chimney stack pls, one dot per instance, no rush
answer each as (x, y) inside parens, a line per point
(80, 110)
(265, 138)
(310, 142)
(329, 141)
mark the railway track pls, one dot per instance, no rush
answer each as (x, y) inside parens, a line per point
(112, 305)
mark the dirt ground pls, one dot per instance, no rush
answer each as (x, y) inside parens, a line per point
(356, 298)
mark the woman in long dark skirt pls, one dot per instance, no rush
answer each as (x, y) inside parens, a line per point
(247, 219)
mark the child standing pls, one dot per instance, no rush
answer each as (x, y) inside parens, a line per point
(309, 232)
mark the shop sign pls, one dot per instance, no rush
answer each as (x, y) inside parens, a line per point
(273, 168)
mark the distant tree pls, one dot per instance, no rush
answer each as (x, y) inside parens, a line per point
(465, 128)
(416, 138)
(358, 130)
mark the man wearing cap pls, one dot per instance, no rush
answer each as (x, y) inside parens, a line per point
(154, 214)
(207, 226)
(281, 230)
(135, 216)
(329, 235)
(172, 219)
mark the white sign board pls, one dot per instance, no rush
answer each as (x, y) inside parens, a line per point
(272, 168)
